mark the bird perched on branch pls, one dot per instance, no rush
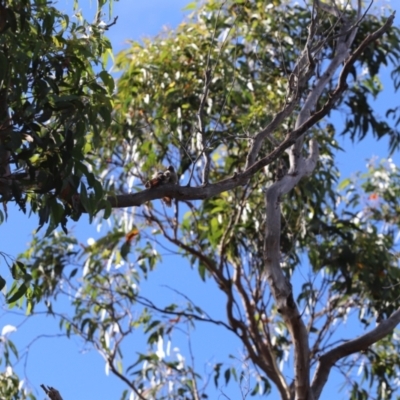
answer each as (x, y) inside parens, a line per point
(170, 175)
(157, 180)
(163, 178)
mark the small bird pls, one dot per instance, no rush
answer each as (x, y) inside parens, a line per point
(163, 178)
(170, 175)
(157, 180)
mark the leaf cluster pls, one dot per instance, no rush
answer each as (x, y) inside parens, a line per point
(56, 98)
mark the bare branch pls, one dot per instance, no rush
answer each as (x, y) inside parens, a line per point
(124, 379)
(108, 26)
(146, 302)
(264, 356)
(302, 72)
(201, 130)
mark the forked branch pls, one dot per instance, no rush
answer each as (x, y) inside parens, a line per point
(328, 360)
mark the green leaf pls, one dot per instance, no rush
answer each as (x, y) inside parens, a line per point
(73, 273)
(83, 196)
(107, 209)
(18, 294)
(202, 271)
(125, 249)
(217, 369)
(107, 80)
(190, 6)
(227, 375)
(344, 184)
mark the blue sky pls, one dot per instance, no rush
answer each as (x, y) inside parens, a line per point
(77, 371)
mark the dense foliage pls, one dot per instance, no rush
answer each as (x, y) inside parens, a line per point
(55, 103)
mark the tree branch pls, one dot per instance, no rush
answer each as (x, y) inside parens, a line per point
(279, 284)
(201, 129)
(327, 360)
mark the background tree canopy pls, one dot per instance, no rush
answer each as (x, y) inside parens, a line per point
(242, 99)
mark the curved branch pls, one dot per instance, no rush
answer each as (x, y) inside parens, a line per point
(281, 288)
(327, 360)
(115, 371)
